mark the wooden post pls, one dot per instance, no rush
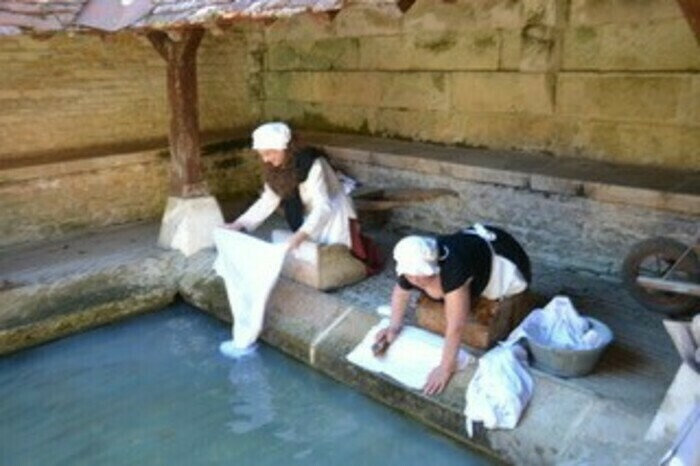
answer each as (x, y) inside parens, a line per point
(691, 10)
(180, 53)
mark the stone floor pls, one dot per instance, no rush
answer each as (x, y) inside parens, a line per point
(635, 370)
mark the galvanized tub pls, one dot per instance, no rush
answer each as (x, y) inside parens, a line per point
(570, 362)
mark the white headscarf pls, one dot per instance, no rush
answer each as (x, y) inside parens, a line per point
(274, 135)
(416, 255)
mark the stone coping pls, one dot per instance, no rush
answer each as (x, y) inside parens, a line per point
(648, 187)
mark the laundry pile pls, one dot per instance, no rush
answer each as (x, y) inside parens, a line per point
(558, 325)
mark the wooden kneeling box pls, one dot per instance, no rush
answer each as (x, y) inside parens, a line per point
(488, 322)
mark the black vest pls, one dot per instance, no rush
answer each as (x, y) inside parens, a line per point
(304, 159)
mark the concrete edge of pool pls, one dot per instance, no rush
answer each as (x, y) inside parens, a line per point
(562, 425)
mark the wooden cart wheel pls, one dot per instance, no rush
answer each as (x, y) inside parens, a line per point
(654, 258)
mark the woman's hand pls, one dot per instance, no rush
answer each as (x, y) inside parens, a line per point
(384, 338)
(457, 307)
(437, 380)
(388, 334)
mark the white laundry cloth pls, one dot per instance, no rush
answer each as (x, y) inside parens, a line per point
(505, 279)
(307, 251)
(686, 448)
(500, 390)
(410, 358)
(384, 310)
(250, 268)
(558, 325)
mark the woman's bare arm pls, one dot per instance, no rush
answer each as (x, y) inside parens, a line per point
(457, 307)
(399, 302)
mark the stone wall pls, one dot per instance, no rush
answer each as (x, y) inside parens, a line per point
(560, 230)
(85, 95)
(84, 127)
(62, 198)
(609, 80)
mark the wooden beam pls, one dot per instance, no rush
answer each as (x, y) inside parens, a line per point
(186, 178)
(691, 10)
(672, 286)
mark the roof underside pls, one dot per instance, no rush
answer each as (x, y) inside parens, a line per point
(18, 16)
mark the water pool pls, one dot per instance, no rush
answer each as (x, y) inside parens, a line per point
(154, 390)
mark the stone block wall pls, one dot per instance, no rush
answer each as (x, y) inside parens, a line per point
(566, 231)
(607, 80)
(85, 95)
(62, 198)
(84, 126)
(610, 80)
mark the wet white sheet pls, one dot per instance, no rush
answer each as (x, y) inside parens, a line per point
(250, 268)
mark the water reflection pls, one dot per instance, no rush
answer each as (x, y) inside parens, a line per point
(252, 396)
(296, 409)
(155, 390)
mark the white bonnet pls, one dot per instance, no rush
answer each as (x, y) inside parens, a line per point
(274, 135)
(416, 255)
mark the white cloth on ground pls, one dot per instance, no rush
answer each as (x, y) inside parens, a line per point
(558, 325)
(500, 390)
(410, 358)
(327, 209)
(384, 310)
(685, 451)
(250, 268)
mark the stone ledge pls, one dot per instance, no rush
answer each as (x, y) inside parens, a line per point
(542, 436)
(321, 329)
(49, 290)
(23, 336)
(647, 187)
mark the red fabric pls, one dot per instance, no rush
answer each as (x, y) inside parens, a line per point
(365, 249)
